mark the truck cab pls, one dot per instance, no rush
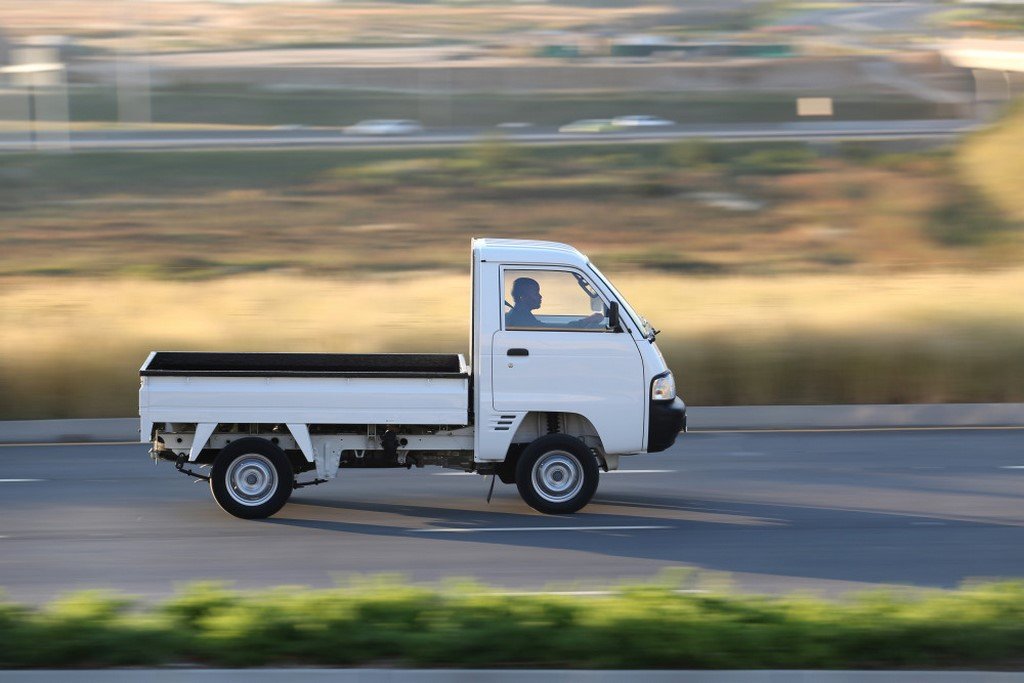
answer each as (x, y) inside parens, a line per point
(565, 378)
(583, 355)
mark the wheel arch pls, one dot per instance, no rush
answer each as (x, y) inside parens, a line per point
(538, 423)
(204, 430)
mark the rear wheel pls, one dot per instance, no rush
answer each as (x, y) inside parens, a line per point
(252, 478)
(557, 474)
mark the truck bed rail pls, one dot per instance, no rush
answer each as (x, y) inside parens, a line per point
(179, 364)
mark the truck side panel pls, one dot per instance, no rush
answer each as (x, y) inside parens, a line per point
(306, 400)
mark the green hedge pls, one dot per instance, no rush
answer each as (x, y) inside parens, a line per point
(652, 626)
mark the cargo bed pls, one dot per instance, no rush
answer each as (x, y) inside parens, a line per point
(308, 388)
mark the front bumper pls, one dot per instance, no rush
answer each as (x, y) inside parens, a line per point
(668, 418)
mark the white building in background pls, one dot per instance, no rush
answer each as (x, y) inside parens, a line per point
(997, 65)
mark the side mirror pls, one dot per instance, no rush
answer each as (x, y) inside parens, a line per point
(613, 317)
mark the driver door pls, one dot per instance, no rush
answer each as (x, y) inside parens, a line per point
(564, 363)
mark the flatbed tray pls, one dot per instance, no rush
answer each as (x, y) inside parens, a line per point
(198, 364)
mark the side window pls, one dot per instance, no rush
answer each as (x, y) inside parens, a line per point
(551, 300)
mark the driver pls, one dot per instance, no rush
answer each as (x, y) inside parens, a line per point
(526, 294)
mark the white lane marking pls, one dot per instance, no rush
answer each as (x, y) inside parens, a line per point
(466, 530)
(1012, 467)
(829, 430)
(74, 443)
(516, 594)
(17, 481)
(469, 474)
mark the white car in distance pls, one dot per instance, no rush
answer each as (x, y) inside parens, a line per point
(385, 127)
(641, 121)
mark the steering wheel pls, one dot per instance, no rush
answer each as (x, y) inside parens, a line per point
(599, 322)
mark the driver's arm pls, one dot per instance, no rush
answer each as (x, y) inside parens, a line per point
(592, 320)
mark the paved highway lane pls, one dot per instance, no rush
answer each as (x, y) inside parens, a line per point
(317, 138)
(778, 511)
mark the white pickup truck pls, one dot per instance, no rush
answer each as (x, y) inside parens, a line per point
(566, 377)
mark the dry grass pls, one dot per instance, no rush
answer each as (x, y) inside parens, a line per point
(190, 25)
(106, 257)
(992, 160)
(72, 347)
(214, 214)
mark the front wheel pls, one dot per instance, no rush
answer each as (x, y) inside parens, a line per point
(557, 474)
(252, 478)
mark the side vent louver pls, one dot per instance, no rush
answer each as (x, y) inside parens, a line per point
(503, 423)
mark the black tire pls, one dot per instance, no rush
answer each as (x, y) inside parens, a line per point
(557, 474)
(252, 478)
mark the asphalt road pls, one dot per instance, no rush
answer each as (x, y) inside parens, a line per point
(306, 138)
(780, 511)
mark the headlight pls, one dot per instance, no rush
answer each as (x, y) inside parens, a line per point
(663, 388)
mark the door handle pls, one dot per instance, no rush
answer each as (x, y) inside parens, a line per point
(518, 352)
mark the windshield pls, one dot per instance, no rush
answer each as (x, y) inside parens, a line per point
(638, 320)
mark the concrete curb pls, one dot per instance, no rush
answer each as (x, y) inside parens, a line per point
(950, 415)
(70, 431)
(499, 676)
(858, 416)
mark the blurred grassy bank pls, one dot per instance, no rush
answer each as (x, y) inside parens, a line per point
(685, 208)
(186, 26)
(71, 347)
(780, 273)
(645, 626)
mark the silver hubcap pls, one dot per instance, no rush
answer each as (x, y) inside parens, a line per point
(252, 479)
(557, 476)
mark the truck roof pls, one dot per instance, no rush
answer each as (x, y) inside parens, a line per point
(527, 251)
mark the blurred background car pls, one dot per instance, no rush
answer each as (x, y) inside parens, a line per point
(641, 121)
(385, 127)
(588, 126)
